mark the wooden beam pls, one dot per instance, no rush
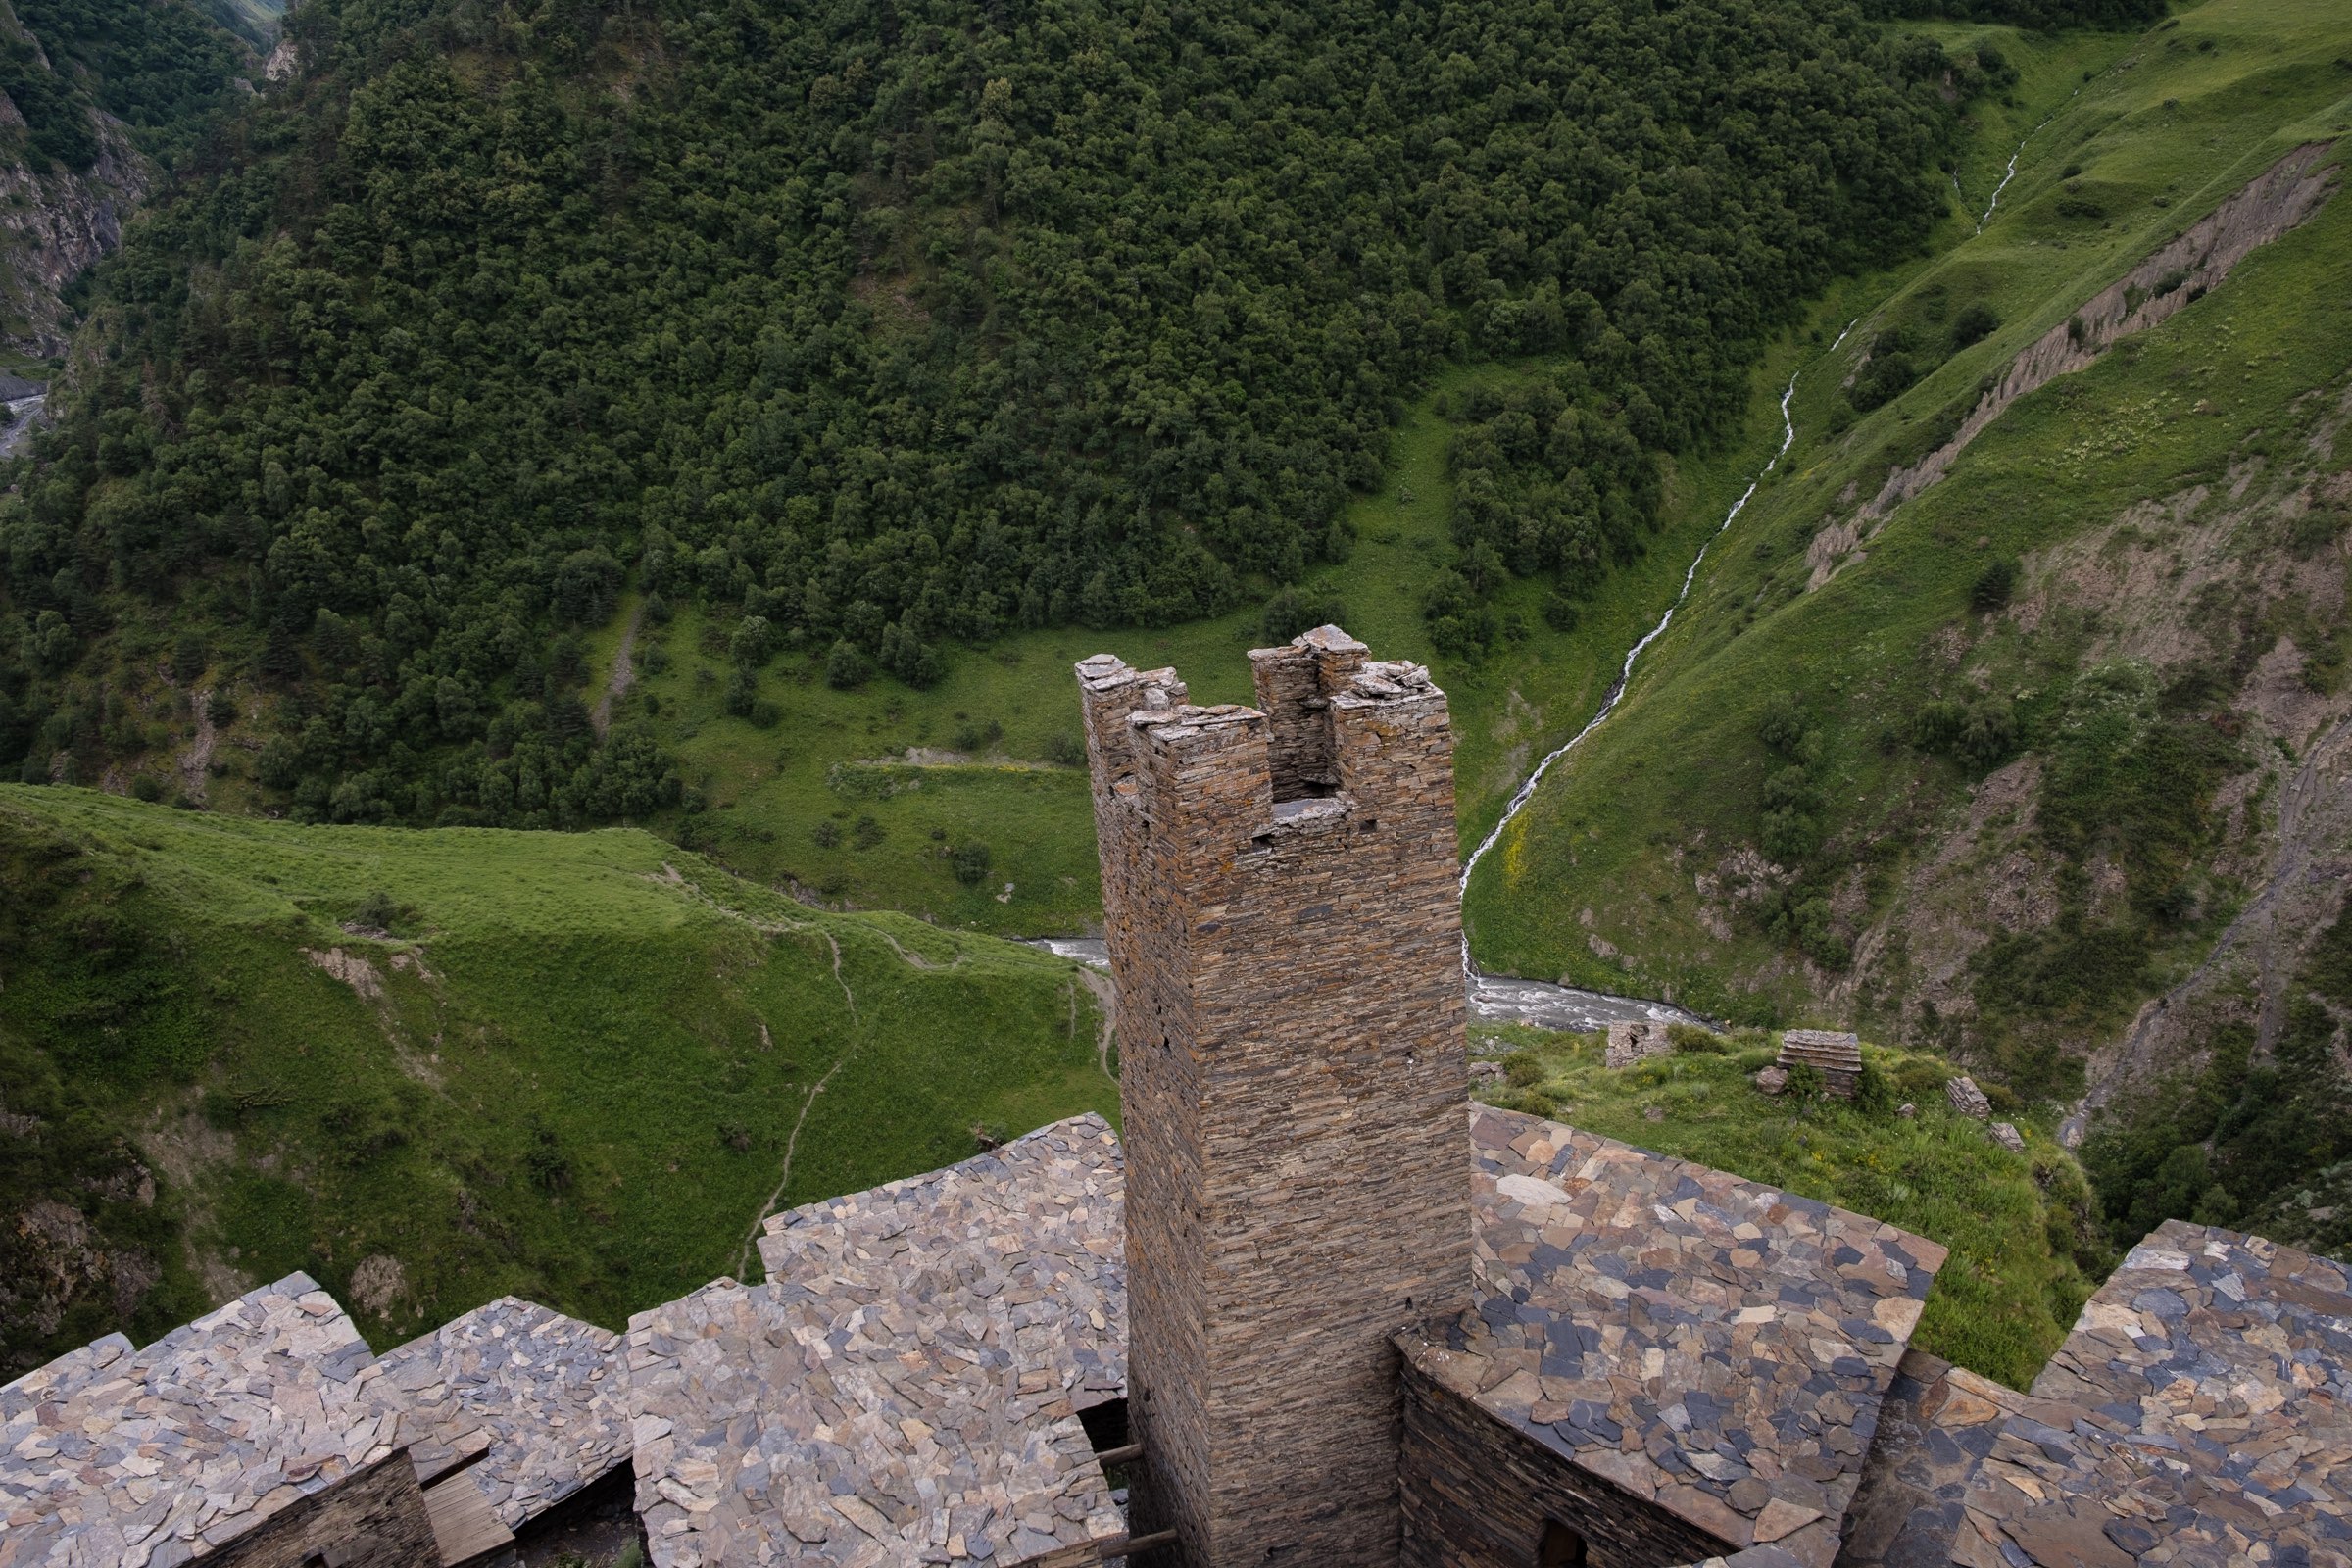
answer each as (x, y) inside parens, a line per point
(1133, 1450)
(1093, 1554)
(465, 1526)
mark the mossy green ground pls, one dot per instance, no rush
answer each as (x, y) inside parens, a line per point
(572, 1070)
(2020, 1227)
(2180, 119)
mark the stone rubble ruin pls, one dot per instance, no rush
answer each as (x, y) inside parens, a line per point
(1635, 1041)
(1318, 1309)
(1966, 1099)
(1832, 1053)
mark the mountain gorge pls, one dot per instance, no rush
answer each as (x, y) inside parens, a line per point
(936, 327)
(703, 440)
(100, 101)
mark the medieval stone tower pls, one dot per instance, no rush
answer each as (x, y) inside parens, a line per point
(1284, 931)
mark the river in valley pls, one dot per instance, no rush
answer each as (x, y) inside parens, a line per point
(1493, 998)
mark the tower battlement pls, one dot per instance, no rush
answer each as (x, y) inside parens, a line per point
(1285, 930)
(1330, 726)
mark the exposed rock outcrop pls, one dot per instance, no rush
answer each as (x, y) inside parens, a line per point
(2170, 278)
(57, 222)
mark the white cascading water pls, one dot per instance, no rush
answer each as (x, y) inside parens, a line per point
(2010, 173)
(1616, 692)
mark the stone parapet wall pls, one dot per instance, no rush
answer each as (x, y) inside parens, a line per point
(1285, 931)
(1478, 1494)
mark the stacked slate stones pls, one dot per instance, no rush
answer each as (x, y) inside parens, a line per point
(1833, 1053)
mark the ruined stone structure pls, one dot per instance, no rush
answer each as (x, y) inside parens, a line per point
(1355, 1319)
(1966, 1099)
(1635, 1041)
(1283, 922)
(1833, 1052)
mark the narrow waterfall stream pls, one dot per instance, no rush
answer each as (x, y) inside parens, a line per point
(1505, 999)
(1509, 1001)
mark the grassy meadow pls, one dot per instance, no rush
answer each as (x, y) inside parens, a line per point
(574, 1066)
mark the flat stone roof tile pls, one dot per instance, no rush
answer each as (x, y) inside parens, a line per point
(120, 1458)
(2202, 1408)
(904, 1387)
(540, 1391)
(1713, 1345)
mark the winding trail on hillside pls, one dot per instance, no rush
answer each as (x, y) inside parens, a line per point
(624, 673)
(792, 1144)
(1625, 672)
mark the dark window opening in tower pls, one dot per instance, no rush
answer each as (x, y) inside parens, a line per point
(1561, 1546)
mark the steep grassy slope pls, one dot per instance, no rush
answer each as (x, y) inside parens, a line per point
(1993, 768)
(432, 1067)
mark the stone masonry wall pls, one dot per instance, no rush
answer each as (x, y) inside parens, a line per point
(1293, 1072)
(372, 1518)
(1478, 1495)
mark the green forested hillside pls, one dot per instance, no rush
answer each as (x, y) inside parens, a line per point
(164, 69)
(429, 1067)
(103, 99)
(887, 329)
(2046, 765)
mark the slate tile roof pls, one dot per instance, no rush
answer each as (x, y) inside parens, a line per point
(1935, 1427)
(120, 1458)
(2197, 1415)
(58, 1379)
(905, 1388)
(540, 1391)
(1046, 1214)
(1714, 1345)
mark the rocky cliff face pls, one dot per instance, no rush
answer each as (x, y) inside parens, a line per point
(55, 224)
(2244, 579)
(70, 171)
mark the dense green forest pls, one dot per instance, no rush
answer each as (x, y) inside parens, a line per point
(164, 69)
(2041, 14)
(890, 326)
